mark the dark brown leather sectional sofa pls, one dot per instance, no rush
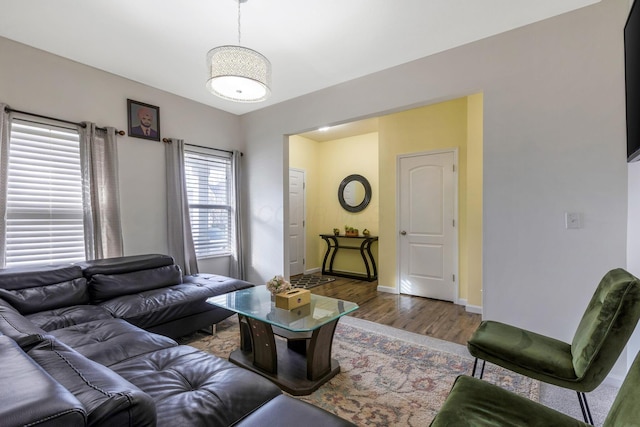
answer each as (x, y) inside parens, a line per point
(92, 344)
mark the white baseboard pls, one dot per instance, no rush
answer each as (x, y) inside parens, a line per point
(312, 270)
(388, 289)
(473, 309)
(470, 308)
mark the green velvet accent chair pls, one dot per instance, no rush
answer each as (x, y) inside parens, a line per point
(582, 365)
(473, 402)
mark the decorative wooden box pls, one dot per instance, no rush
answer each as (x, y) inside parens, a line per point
(293, 299)
(353, 233)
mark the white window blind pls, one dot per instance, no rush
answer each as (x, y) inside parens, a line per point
(208, 179)
(44, 195)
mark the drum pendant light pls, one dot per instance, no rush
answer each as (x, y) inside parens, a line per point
(238, 73)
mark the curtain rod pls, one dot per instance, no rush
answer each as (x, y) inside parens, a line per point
(11, 110)
(170, 140)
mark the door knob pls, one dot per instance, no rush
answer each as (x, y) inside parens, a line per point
(404, 233)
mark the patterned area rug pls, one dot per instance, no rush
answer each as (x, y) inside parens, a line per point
(307, 281)
(384, 381)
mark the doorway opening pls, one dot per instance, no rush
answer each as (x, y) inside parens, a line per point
(328, 158)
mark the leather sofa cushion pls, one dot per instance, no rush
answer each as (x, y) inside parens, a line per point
(42, 288)
(50, 320)
(126, 264)
(217, 284)
(31, 277)
(287, 411)
(19, 328)
(193, 388)
(29, 396)
(32, 300)
(158, 306)
(111, 341)
(103, 287)
(107, 398)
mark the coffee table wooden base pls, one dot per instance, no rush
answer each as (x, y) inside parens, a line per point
(298, 363)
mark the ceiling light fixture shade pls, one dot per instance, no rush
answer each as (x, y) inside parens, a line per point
(239, 74)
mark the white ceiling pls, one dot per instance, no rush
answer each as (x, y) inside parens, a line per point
(312, 44)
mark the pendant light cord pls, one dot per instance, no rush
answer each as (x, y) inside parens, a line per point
(239, 2)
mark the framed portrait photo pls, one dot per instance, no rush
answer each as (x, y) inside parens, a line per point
(144, 120)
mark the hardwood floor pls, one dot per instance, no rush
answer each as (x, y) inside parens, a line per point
(434, 318)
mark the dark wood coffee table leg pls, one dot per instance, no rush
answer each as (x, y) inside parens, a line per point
(319, 351)
(263, 343)
(305, 359)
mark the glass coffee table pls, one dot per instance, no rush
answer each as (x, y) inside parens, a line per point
(292, 348)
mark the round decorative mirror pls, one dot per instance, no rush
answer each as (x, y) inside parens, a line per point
(354, 193)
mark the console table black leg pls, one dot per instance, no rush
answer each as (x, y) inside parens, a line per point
(373, 261)
(364, 258)
(333, 255)
(326, 256)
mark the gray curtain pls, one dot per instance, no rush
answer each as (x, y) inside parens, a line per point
(5, 124)
(236, 264)
(99, 163)
(180, 239)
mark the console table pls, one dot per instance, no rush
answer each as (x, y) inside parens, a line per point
(350, 242)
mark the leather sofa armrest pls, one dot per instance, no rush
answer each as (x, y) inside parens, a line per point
(29, 396)
(107, 398)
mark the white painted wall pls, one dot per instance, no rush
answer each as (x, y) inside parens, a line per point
(633, 245)
(554, 140)
(38, 82)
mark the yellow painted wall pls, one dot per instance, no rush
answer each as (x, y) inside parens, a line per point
(304, 154)
(327, 164)
(340, 158)
(435, 127)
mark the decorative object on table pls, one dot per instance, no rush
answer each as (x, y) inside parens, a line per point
(293, 299)
(366, 232)
(350, 231)
(278, 285)
(144, 120)
(336, 231)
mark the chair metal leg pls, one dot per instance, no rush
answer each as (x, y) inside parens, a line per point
(475, 365)
(584, 406)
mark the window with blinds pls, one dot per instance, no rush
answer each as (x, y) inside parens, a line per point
(44, 221)
(208, 179)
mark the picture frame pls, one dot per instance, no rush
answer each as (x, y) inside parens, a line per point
(144, 120)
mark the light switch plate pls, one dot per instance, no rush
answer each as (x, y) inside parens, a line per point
(573, 220)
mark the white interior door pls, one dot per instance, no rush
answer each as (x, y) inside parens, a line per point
(296, 218)
(427, 237)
